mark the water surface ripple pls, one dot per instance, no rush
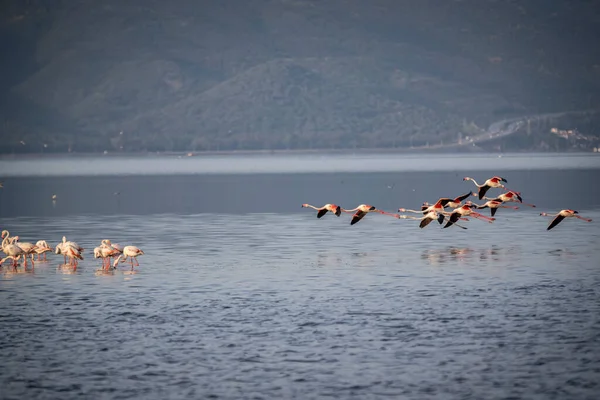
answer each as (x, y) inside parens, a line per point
(268, 305)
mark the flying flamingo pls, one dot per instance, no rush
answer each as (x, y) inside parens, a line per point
(509, 196)
(464, 211)
(494, 205)
(494, 182)
(426, 208)
(426, 219)
(455, 202)
(562, 215)
(334, 209)
(129, 251)
(363, 210)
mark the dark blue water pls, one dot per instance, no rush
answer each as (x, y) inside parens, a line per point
(243, 294)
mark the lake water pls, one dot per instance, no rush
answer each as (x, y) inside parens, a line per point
(244, 294)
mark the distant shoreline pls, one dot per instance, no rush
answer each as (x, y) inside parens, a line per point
(406, 151)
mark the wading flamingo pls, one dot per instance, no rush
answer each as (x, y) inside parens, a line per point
(562, 215)
(132, 252)
(465, 211)
(494, 182)
(333, 208)
(12, 250)
(28, 248)
(118, 249)
(105, 252)
(42, 248)
(72, 253)
(363, 210)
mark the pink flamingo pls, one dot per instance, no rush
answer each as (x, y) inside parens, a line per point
(363, 210)
(562, 215)
(494, 205)
(333, 208)
(510, 196)
(464, 211)
(494, 182)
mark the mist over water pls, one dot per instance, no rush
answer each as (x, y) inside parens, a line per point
(242, 293)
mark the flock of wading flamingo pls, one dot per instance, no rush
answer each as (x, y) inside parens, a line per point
(71, 251)
(457, 210)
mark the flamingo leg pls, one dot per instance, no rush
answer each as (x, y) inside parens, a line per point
(481, 216)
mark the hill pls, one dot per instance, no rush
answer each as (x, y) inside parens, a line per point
(282, 74)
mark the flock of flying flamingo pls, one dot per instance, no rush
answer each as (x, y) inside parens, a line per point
(458, 211)
(71, 251)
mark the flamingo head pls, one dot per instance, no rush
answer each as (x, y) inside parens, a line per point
(4, 233)
(466, 178)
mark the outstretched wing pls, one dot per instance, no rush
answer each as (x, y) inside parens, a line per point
(440, 218)
(483, 190)
(321, 213)
(493, 211)
(338, 211)
(461, 198)
(443, 201)
(357, 217)
(425, 222)
(555, 222)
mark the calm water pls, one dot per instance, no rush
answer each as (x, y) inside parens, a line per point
(243, 294)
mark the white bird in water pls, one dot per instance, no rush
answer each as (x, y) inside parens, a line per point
(129, 251)
(42, 247)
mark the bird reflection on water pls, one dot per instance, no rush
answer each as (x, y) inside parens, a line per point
(467, 255)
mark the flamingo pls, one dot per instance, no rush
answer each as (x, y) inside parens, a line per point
(426, 219)
(118, 249)
(494, 205)
(509, 196)
(73, 244)
(12, 251)
(72, 253)
(334, 209)
(13, 258)
(105, 252)
(28, 248)
(426, 208)
(562, 215)
(129, 251)
(455, 202)
(494, 182)
(464, 211)
(363, 210)
(42, 247)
